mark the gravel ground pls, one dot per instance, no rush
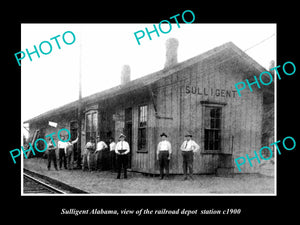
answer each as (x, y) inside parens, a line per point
(105, 182)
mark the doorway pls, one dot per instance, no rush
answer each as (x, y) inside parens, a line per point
(74, 133)
(128, 133)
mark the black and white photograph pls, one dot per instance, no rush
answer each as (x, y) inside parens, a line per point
(129, 109)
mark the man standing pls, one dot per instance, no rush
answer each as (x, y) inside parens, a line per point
(90, 147)
(164, 151)
(70, 153)
(188, 148)
(122, 149)
(61, 152)
(100, 153)
(112, 154)
(51, 154)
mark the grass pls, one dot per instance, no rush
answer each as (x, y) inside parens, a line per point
(105, 182)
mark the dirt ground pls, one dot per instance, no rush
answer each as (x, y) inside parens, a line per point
(105, 182)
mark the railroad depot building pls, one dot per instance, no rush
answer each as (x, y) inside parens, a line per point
(195, 96)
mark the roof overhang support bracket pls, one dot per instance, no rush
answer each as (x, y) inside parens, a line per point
(153, 99)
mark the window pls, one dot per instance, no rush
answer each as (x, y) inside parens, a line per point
(142, 136)
(91, 121)
(212, 128)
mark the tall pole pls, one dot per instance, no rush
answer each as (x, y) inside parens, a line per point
(79, 113)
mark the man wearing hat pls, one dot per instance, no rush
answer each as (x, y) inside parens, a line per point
(122, 149)
(61, 145)
(164, 151)
(188, 148)
(51, 154)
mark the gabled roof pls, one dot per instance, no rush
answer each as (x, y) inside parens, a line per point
(222, 54)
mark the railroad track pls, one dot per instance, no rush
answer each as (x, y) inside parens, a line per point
(34, 183)
(36, 186)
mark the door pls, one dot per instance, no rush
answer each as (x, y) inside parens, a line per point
(74, 132)
(91, 125)
(128, 133)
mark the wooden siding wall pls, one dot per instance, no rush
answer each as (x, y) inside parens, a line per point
(106, 125)
(179, 112)
(144, 161)
(168, 94)
(241, 116)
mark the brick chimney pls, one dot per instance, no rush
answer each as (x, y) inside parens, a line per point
(171, 52)
(125, 74)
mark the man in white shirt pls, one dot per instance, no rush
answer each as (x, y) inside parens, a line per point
(188, 148)
(164, 151)
(61, 145)
(112, 154)
(51, 154)
(70, 153)
(122, 149)
(99, 153)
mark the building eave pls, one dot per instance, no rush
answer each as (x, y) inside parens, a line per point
(152, 78)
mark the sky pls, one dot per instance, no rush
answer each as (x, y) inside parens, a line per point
(100, 51)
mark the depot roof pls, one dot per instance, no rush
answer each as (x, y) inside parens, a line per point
(221, 54)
